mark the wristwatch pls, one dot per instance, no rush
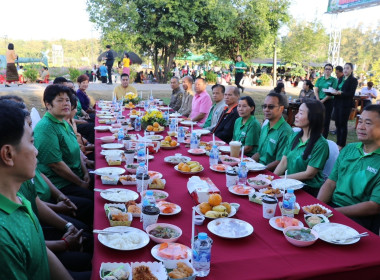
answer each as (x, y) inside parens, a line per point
(68, 225)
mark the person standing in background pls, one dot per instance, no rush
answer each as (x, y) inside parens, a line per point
(11, 72)
(371, 93)
(343, 102)
(109, 63)
(126, 64)
(240, 68)
(103, 73)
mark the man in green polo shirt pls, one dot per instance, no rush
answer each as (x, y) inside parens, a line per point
(353, 186)
(275, 134)
(23, 253)
(217, 108)
(323, 83)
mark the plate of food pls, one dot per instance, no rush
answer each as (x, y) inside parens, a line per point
(188, 123)
(222, 210)
(154, 137)
(133, 208)
(272, 191)
(240, 190)
(281, 222)
(102, 128)
(191, 167)
(105, 117)
(117, 214)
(171, 251)
(219, 168)
(287, 184)
(118, 195)
(230, 228)
(168, 208)
(232, 161)
(176, 159)
(197, 151)
(154, 175)
(115, 271)
(150, 157)
(162, 232)
(127, 180)
(201, 131)
(259, 182)
(149, 270)
(317, 209)
(112, 146)
(255, 166)
(109, 171)
(217, 143)
(175, 115)
(124, 238)
(225, 149)
(166, 145)
(315, 219)
(158, 195)
(332, 232)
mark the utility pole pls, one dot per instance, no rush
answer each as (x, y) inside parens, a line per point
(275, 62)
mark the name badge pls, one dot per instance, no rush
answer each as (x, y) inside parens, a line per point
(272, 140)
(372, 170)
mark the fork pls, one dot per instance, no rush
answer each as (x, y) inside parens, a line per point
(349, 238)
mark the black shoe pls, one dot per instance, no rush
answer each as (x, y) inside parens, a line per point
(7, 86)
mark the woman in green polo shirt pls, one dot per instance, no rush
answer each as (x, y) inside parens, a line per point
(240, 68)
(247, 128)
(307, 150)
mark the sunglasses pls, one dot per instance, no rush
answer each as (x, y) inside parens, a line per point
(270, 107)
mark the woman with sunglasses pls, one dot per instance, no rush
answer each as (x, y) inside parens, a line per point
(247, 128)
(307, 150)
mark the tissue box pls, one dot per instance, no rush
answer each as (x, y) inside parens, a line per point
(200, 188)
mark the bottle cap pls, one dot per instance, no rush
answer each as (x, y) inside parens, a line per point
(290, 191)
(243, 163)
(193, 134)
(215, 147)
(142, 163)
(149, 192)
(202, 235)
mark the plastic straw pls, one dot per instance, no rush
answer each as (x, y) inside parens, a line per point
(242, 153)
(192, 228)
(147, 159)
(213, 139)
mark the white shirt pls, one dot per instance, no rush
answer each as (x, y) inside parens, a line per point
(366, 91)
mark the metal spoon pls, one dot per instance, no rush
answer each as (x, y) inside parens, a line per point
(349, 238)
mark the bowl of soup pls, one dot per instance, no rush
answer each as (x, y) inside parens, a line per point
(162, 232)
(300, 236)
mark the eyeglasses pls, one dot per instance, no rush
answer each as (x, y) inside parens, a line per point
(270, 107)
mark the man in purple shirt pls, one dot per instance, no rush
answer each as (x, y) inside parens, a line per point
(201, 102)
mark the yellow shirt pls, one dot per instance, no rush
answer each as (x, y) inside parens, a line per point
(121, 91)
(126, 62)
(11, 56)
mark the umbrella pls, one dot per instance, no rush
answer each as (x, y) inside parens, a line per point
(100, 57)
(135, 59)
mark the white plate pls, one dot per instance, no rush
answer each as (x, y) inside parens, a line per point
(111, 152)
(157, 269)
(273, 224)
(154, 137)
(287, 184)
(174, 115)
(327, 214)
(198, 151)
(105, 117)
(255, 166)
(165, 108)
(231, 190)
(218, 143)
(201, 131)
(232, 213)
(119, 195)
(102, 128)
(230, 228)
(112, 146)
(113, 267)
(188, 123)
(176, 168)
(176, 159)
(154, 252)
(154, 175)
(213, 168)
(176, 210)
(277, 195)
(143, 237)
(149, 158)
(169, 147)
(224, 149)
(109, 171)
(333, 231)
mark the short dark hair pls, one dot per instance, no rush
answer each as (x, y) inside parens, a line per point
(280, 98)
(328, 64)
(370, 84)
(279, 87)
(12, 121)
(124, 75)
(73, 99)
(220, 86)
(108, 46)
(12, 97)
(83, 78)
(52, 91)
(250, 102)
(339, 68)
(373, 108)
(187, 78)
(60, 80)
(309, 83)
(203, 80)
(11, 46)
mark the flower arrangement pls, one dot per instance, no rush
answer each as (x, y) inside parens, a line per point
(151, 117)
(131, 97)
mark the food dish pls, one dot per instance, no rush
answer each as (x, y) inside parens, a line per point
(154, 174)
(109, 171)
(197, 151)
(287, 184)
(150, 157)
(290, 221)
(300, 236)
(334, 231)
(271, 191)
(201, 131)
(230, 228)
(231, 214)
(105, 117)
(143, 270)
(176, 159)
(174, 115)
(118, 195)
(255, 166)
(131, 168)
(170, 147)
(128, 239)
(102, 128)
(188, 123)
(109, 179)
(118, 270)
(158, 195)
(171, 251)
(154, 137)
(189, 172)
(219, 168)
(112, 146)
(240, 190)
(232, 161)
(259, 182)
(225, 149)
(168, 208)
(316, 209)
(162, 232)
(314, 219)
(127, 180)
(107, 139)
(111, 152)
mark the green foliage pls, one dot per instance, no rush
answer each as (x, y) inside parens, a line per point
(211, 77)
(299, 71)
(376, 73)
(266, 80)
(31, 72)
(74, 74)
(132, 73)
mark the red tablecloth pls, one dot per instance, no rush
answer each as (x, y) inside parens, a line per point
(265, 254)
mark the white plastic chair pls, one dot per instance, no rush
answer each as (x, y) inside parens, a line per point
(35, 116)
(333, 155)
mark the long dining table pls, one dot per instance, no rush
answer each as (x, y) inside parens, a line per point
(265, 254)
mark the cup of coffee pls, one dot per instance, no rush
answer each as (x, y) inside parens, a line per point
(269, 206)
(149, 215)
(142, 182)
(129, 156)
(232, 177)
(235, 149)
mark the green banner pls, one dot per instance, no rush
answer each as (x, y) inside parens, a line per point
(336, 6)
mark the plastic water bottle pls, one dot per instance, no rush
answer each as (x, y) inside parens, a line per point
(166, 117)
(214, 155)
(141, 153)
(114, 101)
(151, 100)
(289, 203)
(138, 124)
(120, 136)
(181, 135)
(172, 125)
(150, 198)
(193, 141)
(146, 105)
(202, 254)
(243, 171)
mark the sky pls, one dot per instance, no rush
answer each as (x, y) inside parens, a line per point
(56, 19)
